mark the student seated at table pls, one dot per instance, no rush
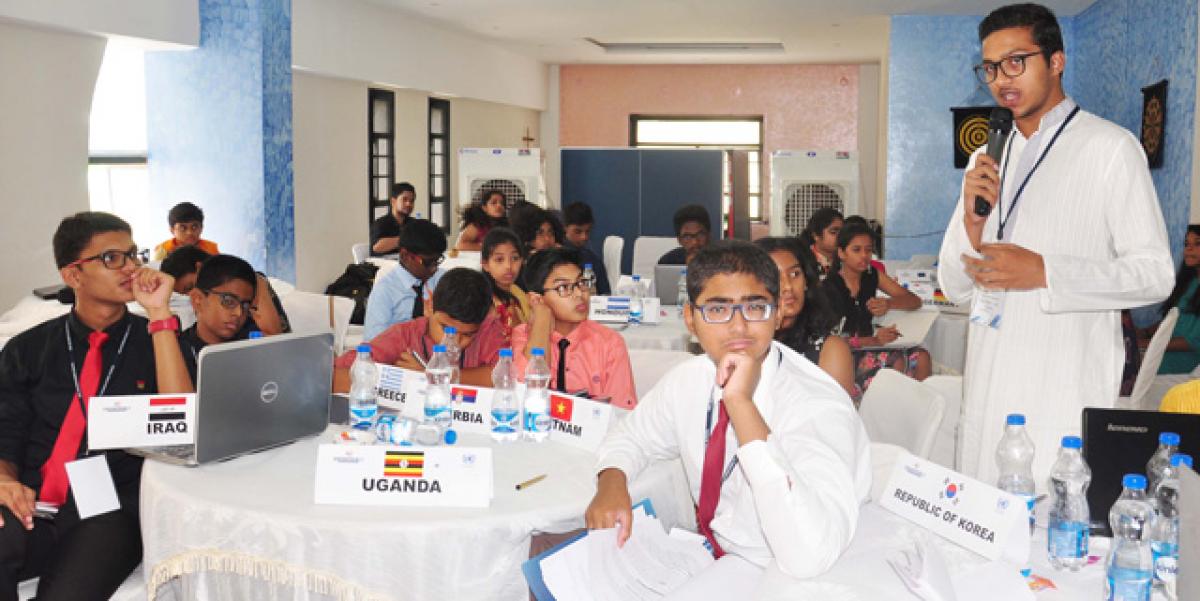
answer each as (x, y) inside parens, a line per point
(537, 228)
(807, 324)
(99, 348)
(692, 227)
(774, 452)
(1183, 350)
(385, 231)
(223, 298)
(821, 235)
(186, 221)
(502, 257)
(463, 300)
(399, 295)
(479, 218)
(578, 221)
(875, 262)
(851, 290)
(583, 356)
(184, 263)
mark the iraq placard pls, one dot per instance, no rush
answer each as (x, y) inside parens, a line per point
(142, 420)
(578, 422)
(403, 476)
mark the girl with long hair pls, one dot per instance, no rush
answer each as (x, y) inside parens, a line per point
(502, 258)
(479, 218)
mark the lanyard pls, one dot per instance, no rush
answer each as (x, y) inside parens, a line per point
(1004, 218)
(75, 370)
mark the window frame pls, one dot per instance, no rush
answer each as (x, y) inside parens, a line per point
(388, 97)
(443, 105)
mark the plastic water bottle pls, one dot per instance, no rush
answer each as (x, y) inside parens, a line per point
(1164, 535)
(255, 335)
(681, 296)
(506, 409)
(436, 422)
(1014, 457)
(453, 353)
(363, 375)
(537, 397)
(635, 301)
(1129, 567)
(590, 275)
(1160, 462)
(1067, 539)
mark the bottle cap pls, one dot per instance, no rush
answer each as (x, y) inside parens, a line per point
(506, 352)
(451, 437)
(450, 330)
(255, 334)
(364, 348)
(1015, 419)
(1072, 442)
(683, 271)
(1134, 481)
(1170, 438)
(1181, 459)
(538, 352)
(587, 265)
(637, 278)
(439, 348)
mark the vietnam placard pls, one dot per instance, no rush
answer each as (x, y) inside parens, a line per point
(578, 422)
(403, 476)
(142, 420)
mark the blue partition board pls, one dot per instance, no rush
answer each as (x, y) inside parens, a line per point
(674, 178)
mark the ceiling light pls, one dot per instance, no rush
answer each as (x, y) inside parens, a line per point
(687, 47)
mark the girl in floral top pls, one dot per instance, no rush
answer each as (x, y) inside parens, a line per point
(502, 257)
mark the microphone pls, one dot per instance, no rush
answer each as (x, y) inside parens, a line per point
(999, 127)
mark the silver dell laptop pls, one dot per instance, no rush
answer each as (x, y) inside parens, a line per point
(256, 394)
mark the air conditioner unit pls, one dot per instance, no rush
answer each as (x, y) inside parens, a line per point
(517, 172)
(803, 181)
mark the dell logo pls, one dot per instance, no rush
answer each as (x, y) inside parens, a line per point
(269, 392)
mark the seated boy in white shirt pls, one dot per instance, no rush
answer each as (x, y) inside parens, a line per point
(786, 476)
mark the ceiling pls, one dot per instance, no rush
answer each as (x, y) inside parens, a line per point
(811, 31)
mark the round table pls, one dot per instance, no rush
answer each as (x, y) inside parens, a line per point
(248, 528)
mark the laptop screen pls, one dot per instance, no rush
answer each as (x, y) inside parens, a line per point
(1121, 441)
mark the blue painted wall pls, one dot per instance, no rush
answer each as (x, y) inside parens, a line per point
(1113, 50)
(220, 130)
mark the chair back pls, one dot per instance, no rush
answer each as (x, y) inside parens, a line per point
(647, 250)
(649, 366)
(360, 252)
(1152, 360)
(899, 410)
(945, 441)
(613, 246)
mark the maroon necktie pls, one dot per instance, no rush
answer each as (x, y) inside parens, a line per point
(710, 479)
(70, 434)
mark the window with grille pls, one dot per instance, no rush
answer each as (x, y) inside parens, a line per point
(381, 140)
(439, 162)
(804, 199)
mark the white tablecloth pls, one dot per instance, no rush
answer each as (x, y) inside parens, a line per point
(947, 342)
(249, 528)
(669, 334)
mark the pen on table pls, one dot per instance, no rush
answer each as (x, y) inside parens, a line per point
(531, 482)
(416, 355)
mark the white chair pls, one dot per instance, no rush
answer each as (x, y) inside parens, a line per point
(360, 252)
(613, 245)
(649, 366)
(1151, 361)
(945, 442)
(899, 410)
(309, 312)
(647, 250)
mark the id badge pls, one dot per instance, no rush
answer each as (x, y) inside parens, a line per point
(988, 308)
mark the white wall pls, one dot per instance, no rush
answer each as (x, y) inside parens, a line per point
(868, 138)
(45, 101)
(551, 151)
(412, 144)
(477, 124)
(153, 22)
(360, 40)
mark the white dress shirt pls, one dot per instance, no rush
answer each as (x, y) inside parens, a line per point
(793, 498)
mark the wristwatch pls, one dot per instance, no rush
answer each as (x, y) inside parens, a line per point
(171, 323)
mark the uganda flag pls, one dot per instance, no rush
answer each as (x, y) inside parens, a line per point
(406, 464)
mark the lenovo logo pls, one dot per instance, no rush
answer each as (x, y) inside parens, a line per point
(1128, 429)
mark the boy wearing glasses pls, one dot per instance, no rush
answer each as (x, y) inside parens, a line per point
(692, 226)
(399, 295)
(223, 298)
(1070, 233)
(187, 223)
(774, 452)
(47, 375)
(184, 263)
(584, 357)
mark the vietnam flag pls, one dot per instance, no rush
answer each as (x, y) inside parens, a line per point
(560, 407)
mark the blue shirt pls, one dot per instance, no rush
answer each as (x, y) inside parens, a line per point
(391, 300)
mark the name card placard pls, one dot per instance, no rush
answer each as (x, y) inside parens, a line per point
(141, 420)
(578, 422)
(615, 309)
(395, 385)
(963, 510)
(470, 407)
(407, 476)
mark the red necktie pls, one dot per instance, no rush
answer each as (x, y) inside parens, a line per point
(70, 434)
(710, 479)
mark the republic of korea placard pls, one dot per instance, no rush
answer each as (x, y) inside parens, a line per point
(470, 407)
(963, 510)
(141, 420)
(578, 422)
(403, 476)
(394, 386)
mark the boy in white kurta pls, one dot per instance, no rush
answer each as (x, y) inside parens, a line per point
(795, 465)
(1057, 261)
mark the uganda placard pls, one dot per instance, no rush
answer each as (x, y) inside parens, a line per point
(403, 476)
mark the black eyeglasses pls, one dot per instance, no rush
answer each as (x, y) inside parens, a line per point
(565, 290)
(230, 301)
(723, 312)
(1012, 65)
(114, 259)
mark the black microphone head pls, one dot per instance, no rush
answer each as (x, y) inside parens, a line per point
(1001, 119)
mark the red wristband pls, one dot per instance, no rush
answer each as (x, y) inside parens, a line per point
(171, 323)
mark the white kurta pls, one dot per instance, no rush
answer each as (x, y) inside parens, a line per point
(1092, 213)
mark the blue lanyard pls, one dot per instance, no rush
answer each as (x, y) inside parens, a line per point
(1004, 218)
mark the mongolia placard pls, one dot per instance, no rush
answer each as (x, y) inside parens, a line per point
(395, 385)
(142, 420)
(967, 512)
(615, 309)
(403, 476)
(470, 407)
(578, 422)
